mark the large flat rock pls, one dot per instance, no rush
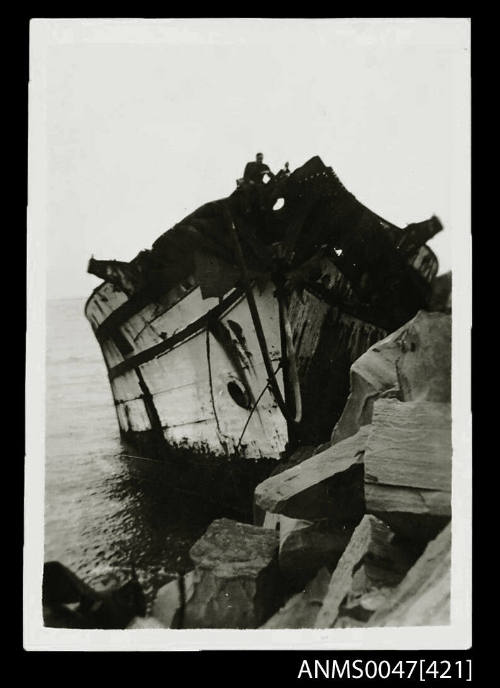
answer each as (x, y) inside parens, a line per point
(408, 466)
(260, 516)
(327, 485)
(236, 577)
(410, 445)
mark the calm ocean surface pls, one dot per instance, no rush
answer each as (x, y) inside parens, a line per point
(102, 509)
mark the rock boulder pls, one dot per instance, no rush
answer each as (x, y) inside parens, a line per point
(236, 577)
(424, 365)
(373, 547)
(306, 546)
(408, 466)
(423, 596)
(412, 363)
(327, 485)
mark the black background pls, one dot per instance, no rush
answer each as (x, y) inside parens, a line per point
(233, 668)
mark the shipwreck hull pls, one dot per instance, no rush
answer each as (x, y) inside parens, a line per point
(191, 389)
(176, 376)
(193, 384)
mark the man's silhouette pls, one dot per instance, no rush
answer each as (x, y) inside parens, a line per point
(256, 171)
(284, 173)
(253, 177)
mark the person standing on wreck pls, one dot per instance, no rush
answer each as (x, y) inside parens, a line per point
(254, 177)
(256, 171)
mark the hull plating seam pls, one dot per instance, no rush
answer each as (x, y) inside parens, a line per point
(162, 347)
(132, 307)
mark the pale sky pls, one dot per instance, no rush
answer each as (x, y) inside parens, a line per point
(145, 121)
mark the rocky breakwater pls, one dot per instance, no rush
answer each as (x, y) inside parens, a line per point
(353, 533)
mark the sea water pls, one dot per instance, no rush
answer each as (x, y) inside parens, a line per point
(105, 508)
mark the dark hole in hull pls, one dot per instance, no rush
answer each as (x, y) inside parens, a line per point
(238, 394)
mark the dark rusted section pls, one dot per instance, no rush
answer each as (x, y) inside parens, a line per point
(237, 330)
(159, 444)
(325, 380)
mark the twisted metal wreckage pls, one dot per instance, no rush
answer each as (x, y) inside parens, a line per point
(229, 343)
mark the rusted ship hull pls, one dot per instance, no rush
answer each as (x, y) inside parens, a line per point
(184, 359)
(190, 386)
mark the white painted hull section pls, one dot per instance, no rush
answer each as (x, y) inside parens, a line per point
(189, 382)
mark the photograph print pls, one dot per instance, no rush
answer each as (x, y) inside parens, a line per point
(249, 309)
